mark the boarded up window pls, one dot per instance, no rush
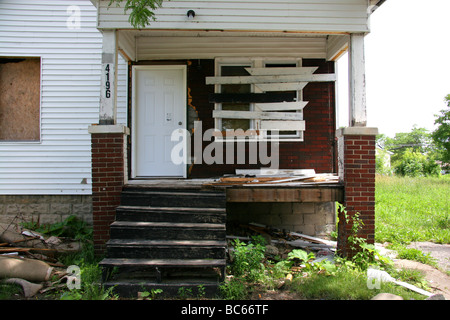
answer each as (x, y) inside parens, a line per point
(20, 99)
(235, 124)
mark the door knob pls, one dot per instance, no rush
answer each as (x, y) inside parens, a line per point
(180, 123)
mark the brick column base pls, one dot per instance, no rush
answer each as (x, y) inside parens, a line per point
(357, 172)
(108, 177)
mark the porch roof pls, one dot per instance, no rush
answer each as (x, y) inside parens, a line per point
(137, 45)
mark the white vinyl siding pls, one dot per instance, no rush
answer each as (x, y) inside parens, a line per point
(251, 15)
(60, 163)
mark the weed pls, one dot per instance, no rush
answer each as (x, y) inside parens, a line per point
(248, 259)
(146, 295)
(71, 227)
(303, 256)
(233, 289)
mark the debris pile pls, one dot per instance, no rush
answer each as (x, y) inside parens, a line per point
(281, 242)
(267, 177)
(29, 259)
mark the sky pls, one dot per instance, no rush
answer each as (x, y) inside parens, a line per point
(407, 57)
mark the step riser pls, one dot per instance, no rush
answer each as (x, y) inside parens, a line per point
(161, 216)
(167, 233)
(145, 237)
(167, 252)
(174, 200)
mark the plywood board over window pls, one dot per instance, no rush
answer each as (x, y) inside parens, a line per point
(20, 99)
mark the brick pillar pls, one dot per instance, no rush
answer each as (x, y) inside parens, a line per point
(109, 174)
(357, 172)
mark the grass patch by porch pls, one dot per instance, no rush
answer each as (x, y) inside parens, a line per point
(412, 209)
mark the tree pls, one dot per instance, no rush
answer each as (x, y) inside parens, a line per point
(413, 153)
(418, 140)
(141, 11)
(441, 136)
(416, 164)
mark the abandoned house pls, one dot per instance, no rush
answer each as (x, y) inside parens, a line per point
(216, 113)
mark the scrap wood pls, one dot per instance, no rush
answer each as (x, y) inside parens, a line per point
(275, 179)
(14, 235)
(313, 239)
(292, 235)
(48, 252)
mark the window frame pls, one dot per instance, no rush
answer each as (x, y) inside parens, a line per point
(255, 62)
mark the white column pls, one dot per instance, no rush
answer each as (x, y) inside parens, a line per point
(357, 81)
(108, 94)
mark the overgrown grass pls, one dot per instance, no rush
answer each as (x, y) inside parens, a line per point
(412, 209)
(349, 284)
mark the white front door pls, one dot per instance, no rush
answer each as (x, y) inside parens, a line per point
(159, 108)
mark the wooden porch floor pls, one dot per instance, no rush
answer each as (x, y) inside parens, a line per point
(252, 190)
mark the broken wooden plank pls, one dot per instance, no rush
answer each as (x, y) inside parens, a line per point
(232, 114)
(281, 106)
(251, 97)
(326, 77)
(313, 239)
(281, 71)
(280, 125)
(50, 252)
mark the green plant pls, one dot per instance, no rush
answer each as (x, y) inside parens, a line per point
(416, 164)
(233, 289)
(415, 255)
(201, 291)
(366, 255)
(248, 259)
(303, 256)
(72, 227)
(91, 288)
(145, 295)
(8, 290)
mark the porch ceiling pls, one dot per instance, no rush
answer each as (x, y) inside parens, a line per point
(138, 45)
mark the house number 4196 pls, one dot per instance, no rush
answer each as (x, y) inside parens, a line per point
(107, 83)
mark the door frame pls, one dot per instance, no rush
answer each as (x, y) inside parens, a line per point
(134, 88)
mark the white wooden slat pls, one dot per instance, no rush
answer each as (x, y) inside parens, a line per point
(271, 79)
(231, 114)
(288, 86)
(281, 71)
(281, 106)
(288, 125)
